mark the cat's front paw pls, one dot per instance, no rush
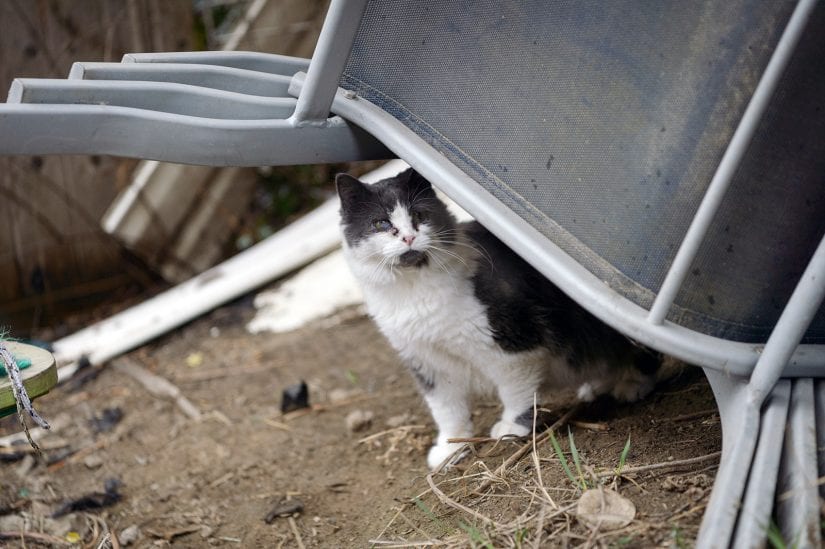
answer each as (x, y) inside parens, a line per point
(633, 387)
(511, 428)
(446, 453)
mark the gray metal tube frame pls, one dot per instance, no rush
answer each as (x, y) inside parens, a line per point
(742, 428)
(588, 290)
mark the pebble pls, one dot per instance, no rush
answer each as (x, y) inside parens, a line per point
(93, 461)
(399, 420)
(340, 395)
(358, 420)
(129, 535)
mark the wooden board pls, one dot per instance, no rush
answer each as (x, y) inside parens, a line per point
(38, 378)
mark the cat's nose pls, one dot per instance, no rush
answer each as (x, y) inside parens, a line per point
(408, 239)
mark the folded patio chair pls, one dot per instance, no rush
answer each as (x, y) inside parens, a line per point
(661, 162)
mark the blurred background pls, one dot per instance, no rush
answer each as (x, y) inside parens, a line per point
(84, 236)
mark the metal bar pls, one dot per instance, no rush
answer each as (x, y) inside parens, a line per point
(209, 76)
(797, 507)
(819, 398)
(757, 503)
(730, 162)
(736, 464)
(795, 319)
(180, 99)
(153, 135)
(740, 432)
(571, 277)
(328, 61)
(254, 61)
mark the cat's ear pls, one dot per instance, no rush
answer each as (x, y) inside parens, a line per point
(351, 191)
(417, 183)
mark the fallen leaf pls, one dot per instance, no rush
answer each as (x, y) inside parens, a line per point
(605, 508)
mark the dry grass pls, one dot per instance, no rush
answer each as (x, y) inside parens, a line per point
(530, 499)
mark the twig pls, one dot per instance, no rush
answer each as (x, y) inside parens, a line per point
(9, 441)
(663, 465)
(412, 525)
(172, 534)
(16, 449)
(392, 520)
(471, 440)
(402, 428)
(455, 505)
(690, 511)
(404, 544)
(219, 373)
(536, 463)
(158, 386)
(294, 527)
(277, 425)
(693, 415)
(591, 426)
(520, 453)
(36, 536)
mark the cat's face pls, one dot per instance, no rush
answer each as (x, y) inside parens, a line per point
(397, 223)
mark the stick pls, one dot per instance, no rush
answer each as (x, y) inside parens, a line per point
(401, 429)
(296, 533)
(694, 415)
(10, 441)
(36, 536)
(455, 505)
(663, 465)
(597, 426)
(158, 386)
(471, 440)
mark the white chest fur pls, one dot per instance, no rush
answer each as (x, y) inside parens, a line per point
(428, 306)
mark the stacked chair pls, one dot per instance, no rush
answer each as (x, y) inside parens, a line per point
(663, 163)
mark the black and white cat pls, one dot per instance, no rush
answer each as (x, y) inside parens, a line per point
(467, 315)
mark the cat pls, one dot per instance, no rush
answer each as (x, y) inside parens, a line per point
(467, 315)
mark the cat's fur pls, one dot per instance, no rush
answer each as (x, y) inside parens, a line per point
(467, 315)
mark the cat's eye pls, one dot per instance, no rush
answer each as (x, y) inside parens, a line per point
(382, 225)
(416, 217)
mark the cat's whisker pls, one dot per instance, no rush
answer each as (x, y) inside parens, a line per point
(480, 250)
(451, 254)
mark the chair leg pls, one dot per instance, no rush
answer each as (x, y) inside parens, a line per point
(797, 507)
(755, 514)
(740, 432)
(819, 404)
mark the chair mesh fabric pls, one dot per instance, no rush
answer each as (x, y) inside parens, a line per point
(602, 123)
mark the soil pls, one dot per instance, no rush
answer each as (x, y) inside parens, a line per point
(214, 481)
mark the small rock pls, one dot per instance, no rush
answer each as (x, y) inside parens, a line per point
(399, 420)
(358, 420)
(129, 535)
(340, 395)
(206, 531)
(93, 461)
(26, 465)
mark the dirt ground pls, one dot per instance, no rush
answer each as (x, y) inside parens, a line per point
(214, 481)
